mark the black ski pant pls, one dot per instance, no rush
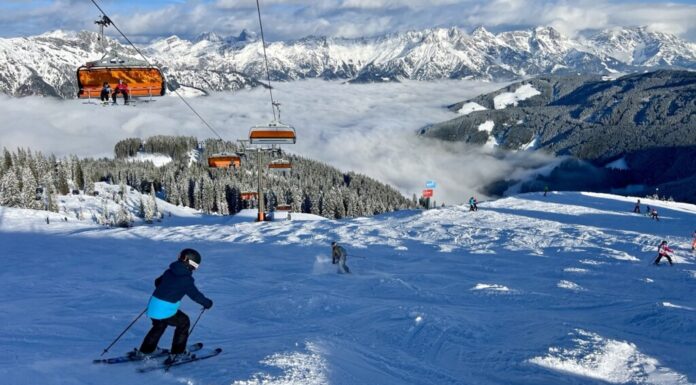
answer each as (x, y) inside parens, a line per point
(104, 96)
(180, 321)
(659, 257)
(125, 95)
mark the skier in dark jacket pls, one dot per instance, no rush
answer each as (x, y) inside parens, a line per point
(338, 256)
(163, 307)
(636, 208)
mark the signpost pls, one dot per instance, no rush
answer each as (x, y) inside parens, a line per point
(427, 193)
(430, 184)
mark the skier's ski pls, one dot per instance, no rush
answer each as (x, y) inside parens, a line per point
(131, 357)
(187, 360)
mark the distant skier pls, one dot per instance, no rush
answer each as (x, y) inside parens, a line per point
(121, 88)
(105, 92)
(546, 189)
(636, 208)
(653, 215)
(693, 242)
(338, 256)
(664, 251)
(163, 307)
(473, 204)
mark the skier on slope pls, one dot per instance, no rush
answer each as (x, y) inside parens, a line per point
(636, 208)
(664, 251)
(653, 215)
(472, 204)
(338, 256)
(163, 307)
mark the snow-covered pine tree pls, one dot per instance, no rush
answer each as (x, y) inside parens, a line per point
(29, 189)
(10, 189)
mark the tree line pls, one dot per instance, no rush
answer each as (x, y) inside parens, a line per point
(310, 187)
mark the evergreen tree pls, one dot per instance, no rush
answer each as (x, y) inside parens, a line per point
(28, 190)
(10, 191)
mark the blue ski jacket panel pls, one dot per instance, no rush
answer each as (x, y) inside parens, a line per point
(171, 287)
(159, 309)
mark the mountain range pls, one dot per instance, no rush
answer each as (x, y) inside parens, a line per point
(46, 64)
(641, 125)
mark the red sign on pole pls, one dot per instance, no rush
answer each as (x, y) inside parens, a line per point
(427, 193)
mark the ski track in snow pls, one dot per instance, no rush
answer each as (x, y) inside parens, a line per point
(529, 289)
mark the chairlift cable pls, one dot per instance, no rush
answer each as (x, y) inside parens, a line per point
(150, 64)
(265, 59)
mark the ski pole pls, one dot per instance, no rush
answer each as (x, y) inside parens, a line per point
(196, 323)
(124, 331)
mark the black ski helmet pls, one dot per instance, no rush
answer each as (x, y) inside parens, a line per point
(191, 256)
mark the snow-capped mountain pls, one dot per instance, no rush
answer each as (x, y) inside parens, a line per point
(45, 64)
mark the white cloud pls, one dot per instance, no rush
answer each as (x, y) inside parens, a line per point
(365, 128)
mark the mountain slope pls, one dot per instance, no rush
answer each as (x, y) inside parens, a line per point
(647, 119)
(45, 64)
(528, 290)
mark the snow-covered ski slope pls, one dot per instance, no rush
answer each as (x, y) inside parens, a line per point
(528, 290)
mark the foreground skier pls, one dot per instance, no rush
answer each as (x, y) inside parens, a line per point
(163, 307)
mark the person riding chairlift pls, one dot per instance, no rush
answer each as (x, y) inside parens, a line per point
(121, 87)
(105, 92)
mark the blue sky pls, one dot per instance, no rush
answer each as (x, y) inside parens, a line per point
(292, 19)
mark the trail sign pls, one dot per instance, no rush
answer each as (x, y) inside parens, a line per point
(430, 184)
(427, 193)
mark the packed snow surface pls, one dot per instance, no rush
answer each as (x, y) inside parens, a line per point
(505, 99)
(444, 296)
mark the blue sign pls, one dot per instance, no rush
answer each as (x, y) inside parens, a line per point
(430, 184)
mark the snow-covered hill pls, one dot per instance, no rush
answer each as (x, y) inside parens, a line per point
(528, 290)
(46, 64)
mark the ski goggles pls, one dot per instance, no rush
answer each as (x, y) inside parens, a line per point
(193, 264)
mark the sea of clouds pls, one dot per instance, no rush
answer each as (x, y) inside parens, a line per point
(366, 128)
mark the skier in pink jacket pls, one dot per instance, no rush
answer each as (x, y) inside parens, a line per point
(664, 251)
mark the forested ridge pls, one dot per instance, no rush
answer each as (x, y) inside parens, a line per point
(311, 186)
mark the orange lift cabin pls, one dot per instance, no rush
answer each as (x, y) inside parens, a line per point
(142, 78)
(280, 165)
(224, 160)
(272, 133)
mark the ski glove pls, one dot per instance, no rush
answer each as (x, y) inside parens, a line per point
(209, 304)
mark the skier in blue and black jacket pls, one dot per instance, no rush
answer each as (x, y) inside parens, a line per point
(163, 307)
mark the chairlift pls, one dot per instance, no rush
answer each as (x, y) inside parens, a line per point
(280, 165)
(224, 160)
(272, 133)
(143, 79)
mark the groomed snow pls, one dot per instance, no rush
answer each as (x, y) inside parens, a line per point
(505, 99)
(444, 296)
